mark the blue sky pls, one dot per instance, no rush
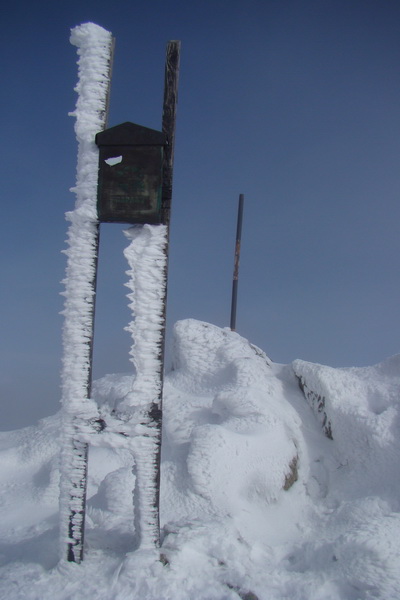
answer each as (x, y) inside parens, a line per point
(295, 104)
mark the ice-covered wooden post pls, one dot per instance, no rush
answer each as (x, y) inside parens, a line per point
(147, 256)
(168, 128)
(129, 180)
(95, 49)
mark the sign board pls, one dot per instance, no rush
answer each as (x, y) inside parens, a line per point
(130, 174)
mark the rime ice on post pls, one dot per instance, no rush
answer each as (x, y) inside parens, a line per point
(140, 419)
(147, 256)
(147, 259)
(95, 50)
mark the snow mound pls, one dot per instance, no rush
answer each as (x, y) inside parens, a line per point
(256, 501)
(207, 357)
(226, 426)
(359, 408)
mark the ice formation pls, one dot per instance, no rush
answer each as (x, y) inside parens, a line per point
(94, 49)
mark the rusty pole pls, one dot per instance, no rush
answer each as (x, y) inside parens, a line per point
(236, 264)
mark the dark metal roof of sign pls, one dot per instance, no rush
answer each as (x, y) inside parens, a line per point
(130, 134)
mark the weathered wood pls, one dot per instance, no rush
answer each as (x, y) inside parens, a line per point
(168, 128)
(169, 121)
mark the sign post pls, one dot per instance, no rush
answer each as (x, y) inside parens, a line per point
(135, 168)
(95, 48)
(135, 187)
(168, 127)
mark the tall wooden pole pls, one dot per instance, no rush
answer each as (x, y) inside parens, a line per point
(75, 451)
(168, 127)
(147, 390)
(236, 265)
(169, 122)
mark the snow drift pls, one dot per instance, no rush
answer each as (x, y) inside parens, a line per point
(278, 481)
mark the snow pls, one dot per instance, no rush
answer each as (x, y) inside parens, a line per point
(146, 256)
(94, 50)
(147, 259)
(361, 406)
(256, 500)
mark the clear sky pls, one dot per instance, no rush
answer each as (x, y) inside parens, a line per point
(295, 104)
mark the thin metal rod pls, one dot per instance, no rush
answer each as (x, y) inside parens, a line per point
(236, 264)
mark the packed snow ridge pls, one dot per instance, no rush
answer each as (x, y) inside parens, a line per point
(278, 482)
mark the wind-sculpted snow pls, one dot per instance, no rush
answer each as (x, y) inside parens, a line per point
(362, 406)
(235, 442)
(204, 355)
(256, 501)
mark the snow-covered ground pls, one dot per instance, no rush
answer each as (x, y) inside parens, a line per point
(268, 490)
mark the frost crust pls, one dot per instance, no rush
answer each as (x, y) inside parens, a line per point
(94, 51)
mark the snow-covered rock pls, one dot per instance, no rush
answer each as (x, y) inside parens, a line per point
(360, 409)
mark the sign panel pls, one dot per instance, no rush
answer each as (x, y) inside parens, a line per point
(130, 184)
(130, 174)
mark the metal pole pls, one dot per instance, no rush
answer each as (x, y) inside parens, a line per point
(236, 264)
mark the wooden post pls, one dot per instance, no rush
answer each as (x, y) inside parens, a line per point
(236, 265)
(168, 128)
(169, 121)
(75, 456)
